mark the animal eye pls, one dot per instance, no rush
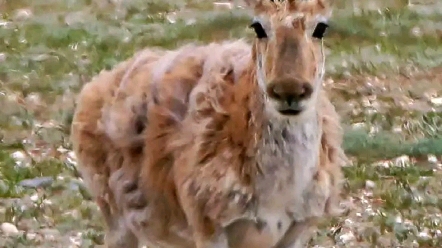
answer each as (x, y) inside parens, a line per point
(320, 29)
(259, 30)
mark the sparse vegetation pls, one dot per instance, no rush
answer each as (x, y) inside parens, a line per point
(384, 68)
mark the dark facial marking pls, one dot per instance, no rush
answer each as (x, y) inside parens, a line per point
(260, 224)
(259, 30)
(285, 133)
(320, 30)
(279, 225)
(130, 186)
(136, 200)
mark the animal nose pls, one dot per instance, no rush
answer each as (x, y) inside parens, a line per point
(289, 91)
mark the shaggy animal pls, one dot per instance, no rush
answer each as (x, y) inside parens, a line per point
(219, 145)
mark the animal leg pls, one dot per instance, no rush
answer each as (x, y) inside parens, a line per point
(315, 198)
(117, 234)
(297, 235)
(218, 241)
(248, 234)
(121, 238)
(206, 233)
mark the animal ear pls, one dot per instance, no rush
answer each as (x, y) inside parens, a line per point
(311, 7)
(252, 3)
(260, 6)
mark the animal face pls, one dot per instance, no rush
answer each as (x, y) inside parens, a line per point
(287, 56)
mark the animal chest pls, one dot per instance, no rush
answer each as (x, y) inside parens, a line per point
(288, 157)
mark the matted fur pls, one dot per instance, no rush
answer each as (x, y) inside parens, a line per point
(175, 146)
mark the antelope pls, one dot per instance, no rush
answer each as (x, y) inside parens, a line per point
(219, 145)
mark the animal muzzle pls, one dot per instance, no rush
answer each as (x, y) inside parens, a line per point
(290, 94)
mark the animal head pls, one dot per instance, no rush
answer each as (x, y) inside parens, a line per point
(288, 58)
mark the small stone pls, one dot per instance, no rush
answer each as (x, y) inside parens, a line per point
(432, 159)
(31, 236)
(370, 184)
(223, 5)
(38, 182)
(19, 157)
(402, 161)
(359, 125)
(348, 222)
(172, 17)
(73, 186)
(436, 101)
(9, 229)
(424, 235)
(347, 237)
(34, 197)
(75, 240)
(22, 14)
(416, 31)
(50, 234)
(2, 57)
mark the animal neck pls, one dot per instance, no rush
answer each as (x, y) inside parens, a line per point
(282, 141)
(288, 141)
(269, 140)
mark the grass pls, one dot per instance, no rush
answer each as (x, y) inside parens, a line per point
(384, 65)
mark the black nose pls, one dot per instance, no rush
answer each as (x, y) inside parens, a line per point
(290, 91)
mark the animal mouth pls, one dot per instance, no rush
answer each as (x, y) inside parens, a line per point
(290, 111)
